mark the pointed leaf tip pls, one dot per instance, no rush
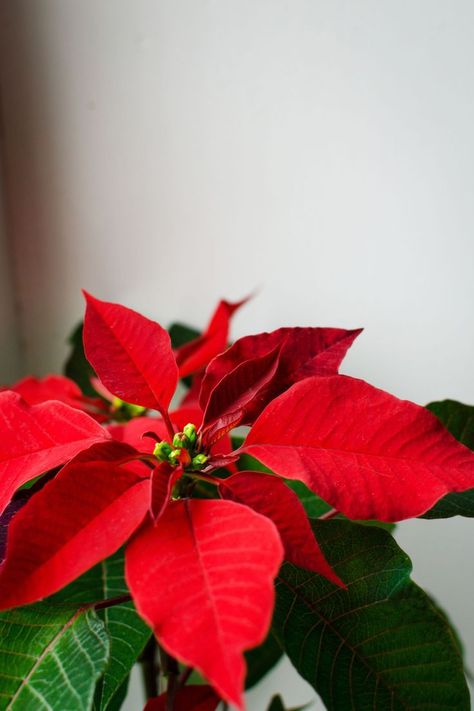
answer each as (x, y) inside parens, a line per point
(364, 451)
(202, 577)
(130, 353)
(271, 497)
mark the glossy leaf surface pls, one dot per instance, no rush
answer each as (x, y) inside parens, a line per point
(368, 454)
(270, 497)
(126, 631)
(34, 439)
(130, 353)
(51, 542)
(380, 645)
(203, 579)
(50, 658)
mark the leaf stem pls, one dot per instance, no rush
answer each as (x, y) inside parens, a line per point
(203, 477)
(169, 424)
(150, 669)
(170, 669)
(184, 676)
(111, 601)
(329, 514)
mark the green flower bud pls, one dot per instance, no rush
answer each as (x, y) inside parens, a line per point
(174, 455)
(162, 451)
(199, 461)
(190, 432)
(180, 440)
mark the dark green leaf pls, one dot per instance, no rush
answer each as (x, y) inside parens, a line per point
(261, 659)
(181, 334)
(314, 506)
(459, 420)
(116, 702)
(50, 658)
(379, 645)
(127, 632)
(77, 366)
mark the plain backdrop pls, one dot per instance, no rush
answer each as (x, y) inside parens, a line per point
(166, 153)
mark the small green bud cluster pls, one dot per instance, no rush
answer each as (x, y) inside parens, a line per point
(181, 450)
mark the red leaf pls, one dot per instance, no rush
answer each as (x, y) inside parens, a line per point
(134, 433)
(238, 393)
(202, 577)
(162, 481)
(271, 497)
(303, 352)
(131, 354)
(196, 354)
(82, 516)
(36, 438)
(58, 387)
(191, 698)
(368, 454)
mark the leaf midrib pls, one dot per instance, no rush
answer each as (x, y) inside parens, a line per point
(25, 682)
(378, 675)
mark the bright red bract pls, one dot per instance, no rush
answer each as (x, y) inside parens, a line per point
(212, 562)
(130, 353)
(37, 438)
(200, 568)
(368, 454)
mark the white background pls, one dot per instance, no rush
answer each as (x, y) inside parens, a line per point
(166, 153)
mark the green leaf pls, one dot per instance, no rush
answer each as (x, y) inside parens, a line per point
(381, 644)
(261, 659)
(127, 632)
(459, 420)
(115, 703)
(181, 334)
(50, 658)
(77, 367)
(314, 505)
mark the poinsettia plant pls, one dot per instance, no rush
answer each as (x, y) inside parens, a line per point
(139, 523)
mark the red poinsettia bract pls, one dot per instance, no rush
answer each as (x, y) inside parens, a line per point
(201, 570)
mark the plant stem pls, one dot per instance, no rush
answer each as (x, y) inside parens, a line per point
(170, 669)
(329, 514)
(169, 424)
(184, 676)
(150, 669)
(111, 601)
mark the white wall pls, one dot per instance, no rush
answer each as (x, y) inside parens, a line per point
(11, 364)
(166, 153)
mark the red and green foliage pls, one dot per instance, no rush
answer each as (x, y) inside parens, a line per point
(117, 497)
